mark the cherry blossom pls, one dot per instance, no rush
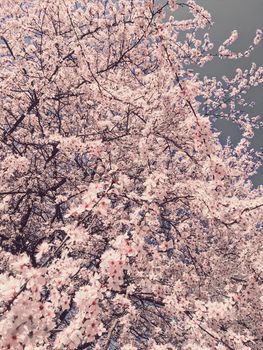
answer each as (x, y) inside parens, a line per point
(125, 223)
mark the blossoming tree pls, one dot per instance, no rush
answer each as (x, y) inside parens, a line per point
(124, 223)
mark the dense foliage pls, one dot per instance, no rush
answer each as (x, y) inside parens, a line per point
(125, 224)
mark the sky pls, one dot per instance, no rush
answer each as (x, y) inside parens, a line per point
(245, 17)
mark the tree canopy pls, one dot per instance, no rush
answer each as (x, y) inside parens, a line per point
(125, 224)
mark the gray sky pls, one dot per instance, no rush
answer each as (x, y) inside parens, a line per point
(244, 16)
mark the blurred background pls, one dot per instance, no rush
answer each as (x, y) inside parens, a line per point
(245, 17)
